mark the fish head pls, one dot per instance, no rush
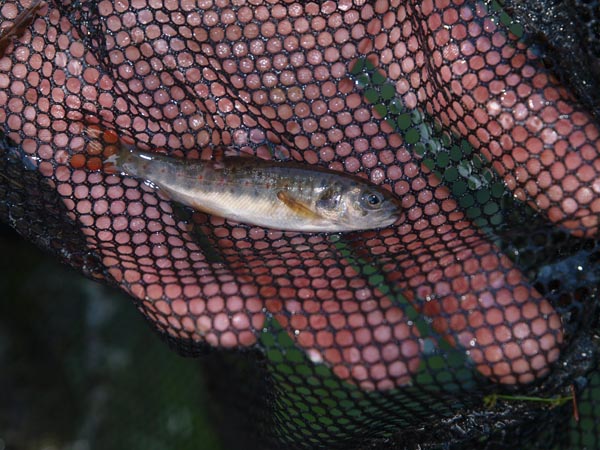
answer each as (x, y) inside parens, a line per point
(358, 206)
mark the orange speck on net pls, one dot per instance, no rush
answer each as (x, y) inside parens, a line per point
(94, 131)
(109, 168)
(110, 150)
(77, 161)
(110, 137)
(94, 164)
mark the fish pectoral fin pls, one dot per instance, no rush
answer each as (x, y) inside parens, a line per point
(298, 207)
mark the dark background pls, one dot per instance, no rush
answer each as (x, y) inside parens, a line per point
(81, 369)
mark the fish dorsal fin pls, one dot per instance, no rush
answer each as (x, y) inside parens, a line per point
(221, 152)
(298, 207)
(231, 152)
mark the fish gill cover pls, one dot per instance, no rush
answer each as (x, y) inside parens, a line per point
(471, 323)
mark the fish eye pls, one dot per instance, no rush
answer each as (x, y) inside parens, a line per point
(372, 200)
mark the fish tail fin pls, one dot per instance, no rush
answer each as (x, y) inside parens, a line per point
(104, 150)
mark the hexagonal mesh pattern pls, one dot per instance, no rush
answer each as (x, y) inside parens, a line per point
(467, 323)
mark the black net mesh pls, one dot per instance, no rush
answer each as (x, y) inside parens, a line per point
(469, 324)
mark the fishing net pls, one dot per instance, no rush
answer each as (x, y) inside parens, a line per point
(471, 323)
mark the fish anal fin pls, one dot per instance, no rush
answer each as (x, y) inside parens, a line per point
(298, 207)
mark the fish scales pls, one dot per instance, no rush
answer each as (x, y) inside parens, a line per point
(279, 195)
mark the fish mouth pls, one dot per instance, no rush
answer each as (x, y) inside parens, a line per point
(390, 214)
(389, 220)
(386, 218)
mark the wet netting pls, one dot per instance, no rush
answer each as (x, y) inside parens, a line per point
(470, 323)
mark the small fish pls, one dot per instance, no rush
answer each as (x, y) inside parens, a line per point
(287, 196)
(22, 21)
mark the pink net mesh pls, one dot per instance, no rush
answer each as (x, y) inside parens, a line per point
(359, 334)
